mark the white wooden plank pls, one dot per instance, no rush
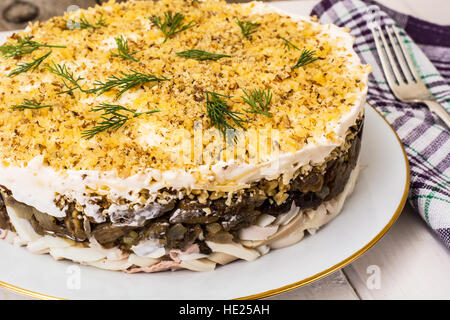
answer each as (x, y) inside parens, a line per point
(9, 295)
(333, 287)
(422, 9)
(413, 263)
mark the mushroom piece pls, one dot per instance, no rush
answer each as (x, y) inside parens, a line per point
(201, 265)
(44, 244)
(106, 233)
(286, 217)
(131, 218)
(264, 220)
(142, 261)
(112, 265)
(160, 266)
(77, 254)
(257, 233)
(19, 216)
(234, 249)
(283, 231)
(151, 248)
(221, 258)
(263, 249)
(287, 240)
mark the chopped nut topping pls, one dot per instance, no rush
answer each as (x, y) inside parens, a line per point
(148, 141)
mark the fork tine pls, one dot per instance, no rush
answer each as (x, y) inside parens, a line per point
(390, 56)
(409, 61)
(390, 78)
(405, 69)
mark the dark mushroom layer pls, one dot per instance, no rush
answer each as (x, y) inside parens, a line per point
(178, 223)
(4, 219)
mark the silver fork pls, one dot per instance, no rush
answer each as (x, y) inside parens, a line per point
(401, 75)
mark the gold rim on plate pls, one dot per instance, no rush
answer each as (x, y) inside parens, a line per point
(300, 283)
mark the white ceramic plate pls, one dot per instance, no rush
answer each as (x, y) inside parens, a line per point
(375, 204)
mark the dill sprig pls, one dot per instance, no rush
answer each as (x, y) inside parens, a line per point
(288, 44)
(123, 50)
(112, 118)
(202, 55)
(171, 24)
(258, 100)
(23, 46)
(220, 115)
(67, 78)
(306, 57)
(30, 104)
(128, 81)
(33, 65)
(83, 23)
(247, 28)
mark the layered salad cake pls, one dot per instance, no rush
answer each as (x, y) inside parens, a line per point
(148, 136)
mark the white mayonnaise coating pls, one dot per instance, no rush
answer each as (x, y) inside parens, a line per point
(36, 184)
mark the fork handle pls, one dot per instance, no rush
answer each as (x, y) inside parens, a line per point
(439, 111)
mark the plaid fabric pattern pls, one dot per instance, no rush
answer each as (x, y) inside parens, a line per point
(425, 137)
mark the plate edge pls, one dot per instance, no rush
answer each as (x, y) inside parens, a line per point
(358, 253)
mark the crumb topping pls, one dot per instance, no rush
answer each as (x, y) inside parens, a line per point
(305, 101)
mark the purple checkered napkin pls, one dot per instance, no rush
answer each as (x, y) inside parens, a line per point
(425, 137)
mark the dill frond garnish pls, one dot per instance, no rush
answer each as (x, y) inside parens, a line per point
(112, 118)
(33, 65)
(258, 100)
(220, 115)
(67, 78)
(306, 57)
(123, 50)
(23, 46)
(101, 21)
(247, 28)
(83, 23)
(128, 81)
(288, 44)
(201, 55)
(30, 104)
(171, 24)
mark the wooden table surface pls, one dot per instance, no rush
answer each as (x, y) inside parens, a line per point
(409, 261)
